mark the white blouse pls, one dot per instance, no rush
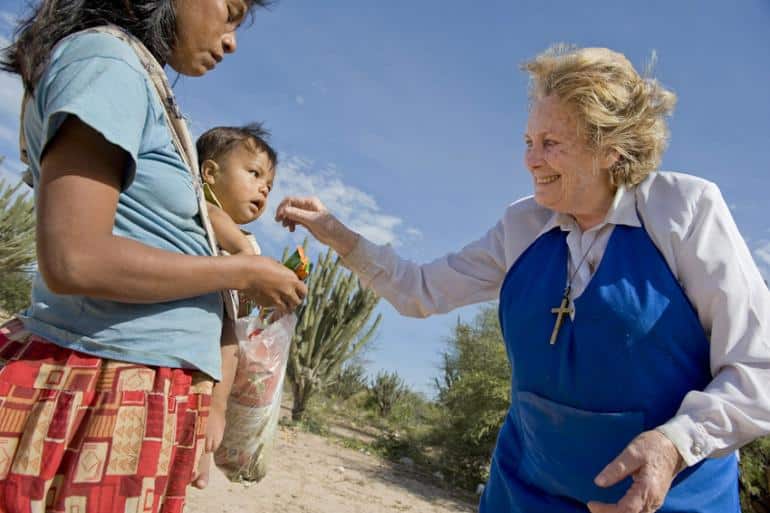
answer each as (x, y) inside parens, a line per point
(688, 220)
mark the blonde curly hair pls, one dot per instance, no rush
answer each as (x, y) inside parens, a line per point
(620, 110)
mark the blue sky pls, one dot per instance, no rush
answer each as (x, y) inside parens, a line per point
(406, 117)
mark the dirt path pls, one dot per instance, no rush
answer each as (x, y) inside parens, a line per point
(311, 474)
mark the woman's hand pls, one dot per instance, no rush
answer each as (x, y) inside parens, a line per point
(313, 215)
(652, 461)
(270, 283)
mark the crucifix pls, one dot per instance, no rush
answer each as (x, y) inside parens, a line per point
(563, 308)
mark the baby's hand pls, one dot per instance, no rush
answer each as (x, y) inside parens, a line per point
(201, 479)
(215, 430)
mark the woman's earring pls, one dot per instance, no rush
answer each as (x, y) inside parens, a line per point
(206, 174)
(208, 193)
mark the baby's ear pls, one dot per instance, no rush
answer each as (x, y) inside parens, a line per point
(209, 171)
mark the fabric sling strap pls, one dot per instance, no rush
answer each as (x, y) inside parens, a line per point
(180, 135)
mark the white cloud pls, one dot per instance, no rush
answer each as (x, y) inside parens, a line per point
(357, 209)
(414, 233)
(299, 99)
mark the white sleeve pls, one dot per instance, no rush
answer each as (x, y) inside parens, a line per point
(722, 281)
(472, 275)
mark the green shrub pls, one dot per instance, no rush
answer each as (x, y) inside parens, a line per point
(412, 411)
(387, 389)
(394, 446)
(17, 228)
(350, 381)
(474, 393)
(17, 245)
(15, 289)
(755, 477)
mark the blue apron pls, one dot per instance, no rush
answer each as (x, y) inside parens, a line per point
(635, 349)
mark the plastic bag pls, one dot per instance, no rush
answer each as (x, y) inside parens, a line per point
(254, 404)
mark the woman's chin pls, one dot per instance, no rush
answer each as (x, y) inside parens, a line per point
(545, 200)
(189, 69)
(196, 71)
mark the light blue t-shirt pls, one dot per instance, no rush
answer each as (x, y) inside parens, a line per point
(99, 79)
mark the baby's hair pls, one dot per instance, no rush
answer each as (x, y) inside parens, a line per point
(217, 141)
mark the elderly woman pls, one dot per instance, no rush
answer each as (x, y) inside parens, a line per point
(635, 321)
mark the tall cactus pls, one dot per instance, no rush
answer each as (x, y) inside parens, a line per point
(330, 329)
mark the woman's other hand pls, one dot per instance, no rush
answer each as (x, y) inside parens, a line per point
(313, 215)
(271, 284)
(652, 461)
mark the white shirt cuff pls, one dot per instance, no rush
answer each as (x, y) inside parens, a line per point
(690, 439)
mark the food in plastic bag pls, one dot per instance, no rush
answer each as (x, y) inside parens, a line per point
(254, 404)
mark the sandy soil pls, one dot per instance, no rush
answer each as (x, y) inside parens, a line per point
(312, 474)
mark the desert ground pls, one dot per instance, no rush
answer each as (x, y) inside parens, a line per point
(313, 474)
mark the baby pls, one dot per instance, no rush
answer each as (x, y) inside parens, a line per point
(237, 168)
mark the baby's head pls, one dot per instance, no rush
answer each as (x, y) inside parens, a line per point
(238, 166)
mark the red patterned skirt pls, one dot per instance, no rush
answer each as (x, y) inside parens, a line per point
(82, 434)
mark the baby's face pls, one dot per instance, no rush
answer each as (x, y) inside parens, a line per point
(243, 183)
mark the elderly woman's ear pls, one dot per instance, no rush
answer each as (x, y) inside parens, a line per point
(609, 157)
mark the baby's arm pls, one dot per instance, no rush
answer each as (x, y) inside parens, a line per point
(221, 391)
(215, 426)
(229, 235)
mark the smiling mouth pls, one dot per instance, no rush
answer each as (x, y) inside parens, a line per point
(545, 180)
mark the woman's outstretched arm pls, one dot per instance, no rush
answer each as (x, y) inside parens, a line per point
(471, 275)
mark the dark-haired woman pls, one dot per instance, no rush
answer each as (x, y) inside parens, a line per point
(105, 379)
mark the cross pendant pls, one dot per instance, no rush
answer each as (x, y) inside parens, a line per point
(564, 308)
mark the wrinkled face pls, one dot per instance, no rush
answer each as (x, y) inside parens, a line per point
(242, 181)
(568, 175)
(205, 32)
